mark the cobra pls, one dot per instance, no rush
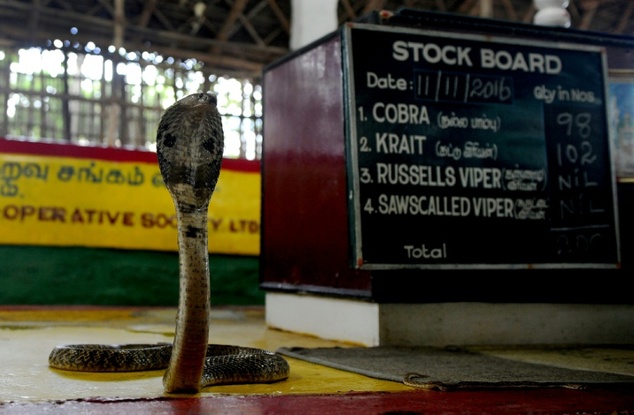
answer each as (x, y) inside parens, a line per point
(190, 145)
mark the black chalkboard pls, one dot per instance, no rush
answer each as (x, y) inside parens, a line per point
(473, 152)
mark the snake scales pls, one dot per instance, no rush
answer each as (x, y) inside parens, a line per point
(190, 144)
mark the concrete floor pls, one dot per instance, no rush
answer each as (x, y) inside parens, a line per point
(27, 335)
(29, 386)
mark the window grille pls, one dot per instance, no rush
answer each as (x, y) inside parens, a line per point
(84, 95)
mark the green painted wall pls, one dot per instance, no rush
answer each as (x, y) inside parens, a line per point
(32, 275)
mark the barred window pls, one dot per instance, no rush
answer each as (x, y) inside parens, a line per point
(88, 96)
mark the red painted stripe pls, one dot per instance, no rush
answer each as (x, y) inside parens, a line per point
(247, 166)
(55, 149)
(604, 401)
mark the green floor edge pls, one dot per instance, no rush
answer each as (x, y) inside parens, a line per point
(33, 275)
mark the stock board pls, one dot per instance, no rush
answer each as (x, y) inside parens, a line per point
(466, 151)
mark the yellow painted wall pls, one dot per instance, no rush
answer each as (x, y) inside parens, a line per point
(65, 195)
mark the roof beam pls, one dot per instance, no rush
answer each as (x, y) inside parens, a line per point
(68, 18)
(236, 10)
(625, 18)
(348, 9)
(589, 10)
(35, 17)
(372, 5)
(246, 23)
(286, 25)
(510, 10)
(440, 5)
(108, 7)
(149, 7)
(467, 7)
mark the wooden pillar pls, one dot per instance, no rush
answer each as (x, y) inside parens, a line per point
(115, 115)
(486, 8)
(65, 104)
